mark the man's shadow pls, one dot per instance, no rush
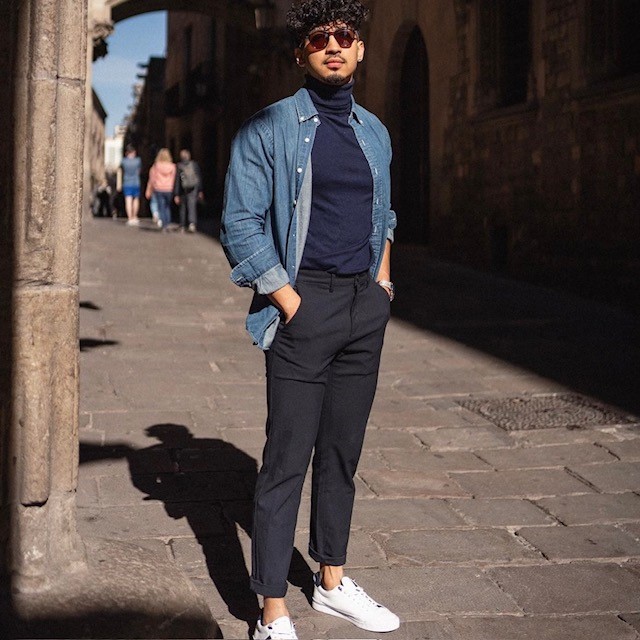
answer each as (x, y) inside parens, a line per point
(209, 482)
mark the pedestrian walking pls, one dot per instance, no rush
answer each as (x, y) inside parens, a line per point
(307, 223)
(101, 206)
(188, 190)
(162, 177)
(129, 175)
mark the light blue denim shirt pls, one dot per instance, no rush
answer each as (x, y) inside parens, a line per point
(267, 200)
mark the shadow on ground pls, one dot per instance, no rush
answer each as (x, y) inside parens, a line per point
(209, 482)
(584, 345)
(589, 347)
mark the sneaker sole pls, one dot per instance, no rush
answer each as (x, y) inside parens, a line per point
(322, 608)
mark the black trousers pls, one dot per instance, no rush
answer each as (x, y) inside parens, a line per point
(322, 371)
(189, 207)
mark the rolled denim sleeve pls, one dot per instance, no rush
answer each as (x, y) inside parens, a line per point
(248, 198)
(392, 218)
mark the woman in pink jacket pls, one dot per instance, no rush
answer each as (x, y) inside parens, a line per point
(162, 176)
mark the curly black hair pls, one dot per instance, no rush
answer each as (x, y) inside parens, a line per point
(307, 14)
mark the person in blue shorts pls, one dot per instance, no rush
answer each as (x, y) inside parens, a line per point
(130, 176)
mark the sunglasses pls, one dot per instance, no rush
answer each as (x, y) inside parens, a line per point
(319, 40)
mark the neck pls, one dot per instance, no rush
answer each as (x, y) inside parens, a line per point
(329, 97)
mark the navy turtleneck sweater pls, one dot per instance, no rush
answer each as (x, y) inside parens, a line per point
(340, 224)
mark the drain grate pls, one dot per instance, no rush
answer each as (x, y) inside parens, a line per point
(546, 412)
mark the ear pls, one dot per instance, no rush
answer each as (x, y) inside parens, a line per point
(299, 55)
(360, 46)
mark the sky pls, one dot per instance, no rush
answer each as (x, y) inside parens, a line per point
(133, 40)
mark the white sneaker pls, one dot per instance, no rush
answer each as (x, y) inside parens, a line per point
(279, 629)
(351, 602)
(192, 228)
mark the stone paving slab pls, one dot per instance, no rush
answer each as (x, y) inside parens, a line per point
(582, 542)
(431, 461)
(620, 476)
(593, 508)
(497, 512)
(390, 439)
(464, 438)
(551, 456)
(172, 488)
(570, 588)
(152, 519)
(410, 484)
(527, 483)
(564, 435)
(628, 450)
(477, 546)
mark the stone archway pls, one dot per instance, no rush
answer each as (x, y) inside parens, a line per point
(412, 172)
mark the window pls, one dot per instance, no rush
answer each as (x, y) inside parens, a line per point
(613, 38)
(504, 52)
(188, 50)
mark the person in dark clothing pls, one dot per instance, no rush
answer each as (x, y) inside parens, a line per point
(307, 223)
(187, 190)
(102, 200)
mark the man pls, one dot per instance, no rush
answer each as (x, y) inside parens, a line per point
(307, 224)
(187, 190)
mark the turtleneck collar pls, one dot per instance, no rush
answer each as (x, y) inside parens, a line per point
(329, 98)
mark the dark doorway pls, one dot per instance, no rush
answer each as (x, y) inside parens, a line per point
(412, 183)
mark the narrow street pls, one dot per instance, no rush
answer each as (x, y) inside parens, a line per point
(498, 491)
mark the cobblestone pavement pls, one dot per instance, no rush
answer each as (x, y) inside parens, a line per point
(466, 524)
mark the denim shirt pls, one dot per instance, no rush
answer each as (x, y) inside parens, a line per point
(267, 200)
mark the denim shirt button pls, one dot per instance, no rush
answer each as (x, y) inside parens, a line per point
(316, 120)
(301, 118)
(307, 139)
(295, 202)
(299, 169)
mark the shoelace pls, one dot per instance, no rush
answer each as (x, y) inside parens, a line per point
(362, 595)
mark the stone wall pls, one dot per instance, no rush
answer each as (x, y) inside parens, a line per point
(548, 188)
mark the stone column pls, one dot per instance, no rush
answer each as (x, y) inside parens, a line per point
(49, 82)
(60, 586)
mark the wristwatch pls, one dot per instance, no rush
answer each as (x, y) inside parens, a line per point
(387, 284)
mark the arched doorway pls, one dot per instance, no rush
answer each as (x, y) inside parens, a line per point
(412, 170)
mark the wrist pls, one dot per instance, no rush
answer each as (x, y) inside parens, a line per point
(387, 285)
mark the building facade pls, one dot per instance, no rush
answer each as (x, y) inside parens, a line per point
(113, 150)
(516, 128)
(216, 77)
(146, 124)
(96, 139)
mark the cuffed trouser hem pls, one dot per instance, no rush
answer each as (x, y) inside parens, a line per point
(334, 562)
(268, 590)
